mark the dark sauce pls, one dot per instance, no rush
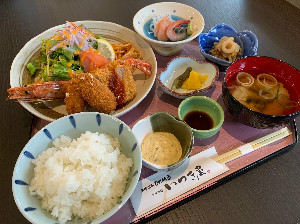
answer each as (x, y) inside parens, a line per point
(116, 85)
(199, 120)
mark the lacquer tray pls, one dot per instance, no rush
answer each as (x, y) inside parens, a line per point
(231, 135)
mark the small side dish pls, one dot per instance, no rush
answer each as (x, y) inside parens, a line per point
(167, 26)
(161, 148)
(189, 80)
(226, 49)
(220, 44)
(165, 141)
(185, 76)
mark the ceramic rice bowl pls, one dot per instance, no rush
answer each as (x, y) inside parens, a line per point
(72, 126)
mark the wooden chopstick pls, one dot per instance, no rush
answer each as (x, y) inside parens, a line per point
(256, 144)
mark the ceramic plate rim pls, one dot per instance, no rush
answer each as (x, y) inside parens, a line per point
(16, 82)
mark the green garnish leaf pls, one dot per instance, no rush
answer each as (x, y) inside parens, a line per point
(31, 68)
(60, 72)
(63, 61)
(189, 29)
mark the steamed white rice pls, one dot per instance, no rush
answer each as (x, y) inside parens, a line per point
(80, 178)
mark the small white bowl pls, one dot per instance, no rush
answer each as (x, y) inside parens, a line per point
(178, 10)
(165, 122)
(177, 66)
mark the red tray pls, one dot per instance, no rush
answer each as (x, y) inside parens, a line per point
(231, 135)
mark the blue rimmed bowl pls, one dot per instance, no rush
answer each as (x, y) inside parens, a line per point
(165, 122)
(177, 66)
(142, 20)
(72, 126)
(246, 39)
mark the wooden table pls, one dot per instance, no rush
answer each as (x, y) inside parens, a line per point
(269, 193)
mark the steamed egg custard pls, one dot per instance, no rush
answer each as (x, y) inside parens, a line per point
(161, 148)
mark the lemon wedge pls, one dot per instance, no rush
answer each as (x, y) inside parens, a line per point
(105, 49)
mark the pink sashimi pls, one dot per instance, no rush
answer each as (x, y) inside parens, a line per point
(161, 28)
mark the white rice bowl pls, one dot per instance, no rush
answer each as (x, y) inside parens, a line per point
(81, 178)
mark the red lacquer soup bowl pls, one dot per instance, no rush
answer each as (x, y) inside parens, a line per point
(287, 77)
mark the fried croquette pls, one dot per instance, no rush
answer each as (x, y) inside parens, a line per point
(86, 89)
(97, 94)
(74, 100)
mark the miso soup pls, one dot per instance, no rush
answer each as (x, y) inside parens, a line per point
(266, 94)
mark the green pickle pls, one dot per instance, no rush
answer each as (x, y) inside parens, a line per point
(180, 79)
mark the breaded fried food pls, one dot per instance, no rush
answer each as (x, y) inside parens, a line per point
(86, 89)
(97, 94)
(103, 74)
(74, 100)
(124, 73)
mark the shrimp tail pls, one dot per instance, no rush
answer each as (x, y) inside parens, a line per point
(175, 32)
(38, 91)
(140, 64)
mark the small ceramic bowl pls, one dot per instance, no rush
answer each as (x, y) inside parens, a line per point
(283, 72)
(206, 105)
(165, 122)
(177, 66)
(246, 39)
(72, 126)
(143, 18)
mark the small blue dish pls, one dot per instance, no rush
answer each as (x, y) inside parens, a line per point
(246, 39)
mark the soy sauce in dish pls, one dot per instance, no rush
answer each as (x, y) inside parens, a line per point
(199, 120)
